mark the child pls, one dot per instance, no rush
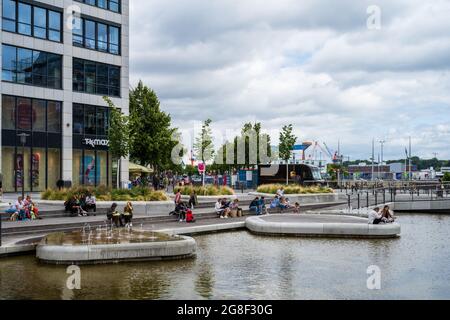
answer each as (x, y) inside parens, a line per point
(297, 207)
(128, 215)
(190, 216)
(13, 214)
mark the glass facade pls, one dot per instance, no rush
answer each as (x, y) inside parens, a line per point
(30, 20)
(112, 5)
(92, 163)
(96, 78)
(95, 35)
(37, 164)
(31, 67)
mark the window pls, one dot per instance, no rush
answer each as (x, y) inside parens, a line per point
(112, 5)
(40, 23)
(54, 26)
(96, 78)
(102, 37)
(31, 114)
(8, 113)
(23, 108)
(54, 116)
(114, 45)
(39, 115)
(31, 20)
(24, 19)
(90, 34)
(90, 120)
(95, 35)
(9, 15)
(78, 119)
(102, 121)
(9, 65)
(31, 67)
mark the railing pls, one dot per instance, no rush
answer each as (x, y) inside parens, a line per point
(377, 196)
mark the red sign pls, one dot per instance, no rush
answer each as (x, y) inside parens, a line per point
(201, 167)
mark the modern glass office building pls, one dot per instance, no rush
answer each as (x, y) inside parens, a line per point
(58, 59)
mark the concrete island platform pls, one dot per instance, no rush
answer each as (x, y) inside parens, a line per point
(320, 226)
(100, 247)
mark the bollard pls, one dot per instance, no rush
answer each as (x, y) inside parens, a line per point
(367, 199)
(376, 198)
(359, 201)
(384, 196)
(349, 202)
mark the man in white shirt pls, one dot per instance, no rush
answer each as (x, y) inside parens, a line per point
(375, 217)
(280, 193)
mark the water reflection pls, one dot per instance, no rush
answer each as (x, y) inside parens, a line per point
(239, 265)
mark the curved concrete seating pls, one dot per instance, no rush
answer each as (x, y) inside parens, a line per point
(320, 225)
(178, 247)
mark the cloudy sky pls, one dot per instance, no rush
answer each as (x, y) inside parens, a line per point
(312, 63)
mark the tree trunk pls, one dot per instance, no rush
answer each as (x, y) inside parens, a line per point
(287, 172)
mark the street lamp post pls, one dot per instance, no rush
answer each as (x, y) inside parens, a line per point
(382, 142)
(23, 141)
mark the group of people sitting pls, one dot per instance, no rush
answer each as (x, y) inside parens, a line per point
(81, 205)
(184, 210)
(120, 219)
(378, 216)
(23, 210)
(226, 208)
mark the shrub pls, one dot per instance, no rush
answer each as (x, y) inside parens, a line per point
(209, 190)
(293, 189)
(103, 193)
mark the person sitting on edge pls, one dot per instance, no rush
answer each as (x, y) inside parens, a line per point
(275, 203)
(235, 210)
(226, 208)
(262, 206)
(218, 207)
(254, 206)
(387, 214)
(114, 216)
(128, 215)
(90, 203)
(13, 213)
(284, 204)
(190, 216)
(375, 217)
(280, 192)
(20, 208)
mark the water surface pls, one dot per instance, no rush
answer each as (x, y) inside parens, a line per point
(239, 265)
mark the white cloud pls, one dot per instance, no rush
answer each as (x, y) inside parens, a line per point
(307, 62)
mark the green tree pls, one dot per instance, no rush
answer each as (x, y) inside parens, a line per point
(151, 137)
(446, 177)
(118, 135)
(203, 146)
(287, 143)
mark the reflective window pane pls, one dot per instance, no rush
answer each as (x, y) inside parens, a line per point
(39, 115)
(24, 114)
(114, 40)
(90, 34)
(54, 116)
(8, 113)
(89, 120)
(9, 15)
(40, 23)
(78, 119)
(24, 18)
(102, 37)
